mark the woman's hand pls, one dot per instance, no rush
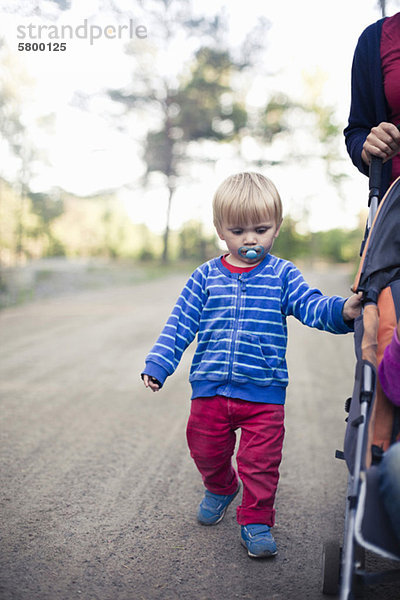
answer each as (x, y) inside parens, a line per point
(382, 141)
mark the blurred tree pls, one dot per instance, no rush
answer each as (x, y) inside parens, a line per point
(382, 4)
(338, 245)
(146, 252)
(326, 128)
(193, 104)
(47, 208)
(333, 245)
(272, 117)
(17, 136)
(204, 105)
(194, 244)
(200, 109)
(47, 8)
(290, 244)
(13, 132)
(11, 126)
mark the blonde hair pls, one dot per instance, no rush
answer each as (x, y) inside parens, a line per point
(246, 198)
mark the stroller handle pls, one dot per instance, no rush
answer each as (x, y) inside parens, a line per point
(375, 182)
(375, 175)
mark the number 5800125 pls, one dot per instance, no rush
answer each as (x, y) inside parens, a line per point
(42, 46)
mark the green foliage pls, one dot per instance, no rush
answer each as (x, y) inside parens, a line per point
(194, 245)
(334, 245)
(55, 247)
(203, 100)
(273, 117)
(338, 245)
(206, 109)
(202, 108)
(46, 207)
(290, 244)
(100, 227)
(201, 103)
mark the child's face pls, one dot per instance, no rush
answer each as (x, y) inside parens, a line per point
(249, 236)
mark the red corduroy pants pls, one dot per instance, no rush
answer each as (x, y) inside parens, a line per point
(211, 438)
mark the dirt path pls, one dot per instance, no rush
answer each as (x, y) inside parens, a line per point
(98, 490)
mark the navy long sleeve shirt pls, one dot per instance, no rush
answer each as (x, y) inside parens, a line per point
(368, 103)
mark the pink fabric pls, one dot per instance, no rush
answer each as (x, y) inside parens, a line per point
(390, 57)
(389, 370)
(211, 438)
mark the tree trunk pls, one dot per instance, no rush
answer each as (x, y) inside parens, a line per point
(19, 230)
(165, 257)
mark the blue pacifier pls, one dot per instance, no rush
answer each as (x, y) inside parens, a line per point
(252, 252)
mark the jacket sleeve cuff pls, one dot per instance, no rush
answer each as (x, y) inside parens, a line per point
(360, 164)
(154, 370)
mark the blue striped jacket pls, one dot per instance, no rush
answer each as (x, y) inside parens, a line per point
(240, 322)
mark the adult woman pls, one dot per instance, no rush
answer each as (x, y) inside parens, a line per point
(375, 99)
(372, 130)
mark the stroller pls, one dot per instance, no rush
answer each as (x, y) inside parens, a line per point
(373, 423)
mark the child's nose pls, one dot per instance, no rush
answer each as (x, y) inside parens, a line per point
(250, 238)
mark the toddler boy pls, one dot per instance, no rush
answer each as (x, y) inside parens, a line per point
(238, 305)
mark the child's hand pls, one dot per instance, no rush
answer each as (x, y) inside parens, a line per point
(352, 307)
(151, 382)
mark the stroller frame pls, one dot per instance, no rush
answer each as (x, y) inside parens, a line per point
(344, 568)
(352, 569)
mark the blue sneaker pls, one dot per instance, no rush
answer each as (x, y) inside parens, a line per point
(258, 540)
(213, 507)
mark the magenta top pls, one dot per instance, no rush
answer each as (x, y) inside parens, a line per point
(390, 57)
(389, 370)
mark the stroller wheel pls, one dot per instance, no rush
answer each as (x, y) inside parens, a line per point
(331, 568)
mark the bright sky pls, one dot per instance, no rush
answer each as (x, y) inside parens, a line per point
(87, 154)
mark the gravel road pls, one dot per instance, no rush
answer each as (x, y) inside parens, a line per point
(99, 493)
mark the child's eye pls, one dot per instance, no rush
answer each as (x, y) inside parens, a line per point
(237, 231)
(261, 230)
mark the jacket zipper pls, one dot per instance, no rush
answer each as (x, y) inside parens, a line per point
(241, 286)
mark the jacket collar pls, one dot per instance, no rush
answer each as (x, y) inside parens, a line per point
(245, 275)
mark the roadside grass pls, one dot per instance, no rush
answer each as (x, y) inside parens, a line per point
(48, 278)
(56, 277)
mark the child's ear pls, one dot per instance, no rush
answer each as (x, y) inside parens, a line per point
(278, 229)
(221, 237)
